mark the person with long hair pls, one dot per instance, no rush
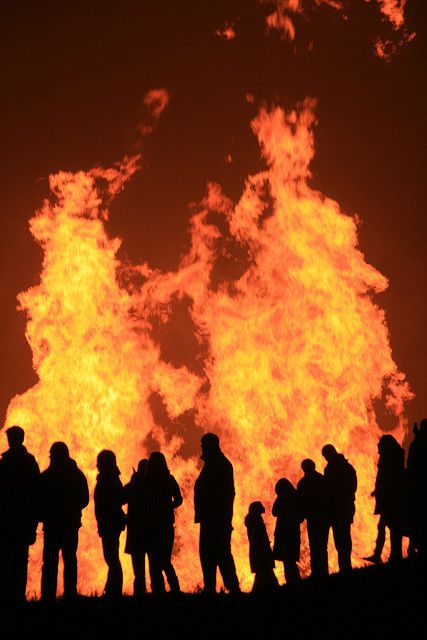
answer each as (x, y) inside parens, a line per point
(110, 517)
(162, 497)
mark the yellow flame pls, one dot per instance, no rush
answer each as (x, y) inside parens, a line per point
(293, 350)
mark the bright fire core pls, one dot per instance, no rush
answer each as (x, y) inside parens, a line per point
(287, 353)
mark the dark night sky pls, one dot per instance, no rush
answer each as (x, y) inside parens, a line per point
(73, 77)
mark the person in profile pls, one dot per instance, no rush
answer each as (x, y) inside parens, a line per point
(312, 493)
(341, 486)
(260, 554)
(162, 496)
(417, 483)
(287, 533)
(136, 527)
(389, 495)
(64, 494)
(110, 517)
(213, 510)
(19, 493)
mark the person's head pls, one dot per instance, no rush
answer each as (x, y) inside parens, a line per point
(15, 436)
(308, 466)
(59, 454)
(387, 443)
(256, 508)
(423, 428)
(329, 452)
(156, 465)
(284, 487)
(142, 465)
(106, 462)
(209, 443)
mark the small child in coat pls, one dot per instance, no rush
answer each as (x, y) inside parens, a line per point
(260, 553)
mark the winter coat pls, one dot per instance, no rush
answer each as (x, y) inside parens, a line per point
(108, 498)
(64, 493)
(19, 495)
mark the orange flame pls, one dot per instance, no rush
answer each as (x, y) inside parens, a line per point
(292, 351)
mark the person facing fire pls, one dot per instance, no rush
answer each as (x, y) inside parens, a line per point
(64, 494)
(287, 535)
(136, 527)
(19, 492)
(417, 485)
(341, 486)
(312, 492)
(213, 510)
(390, 497)
(110, 517)
(260, 554)
(162, 496)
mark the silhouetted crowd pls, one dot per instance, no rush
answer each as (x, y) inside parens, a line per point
(57, 496)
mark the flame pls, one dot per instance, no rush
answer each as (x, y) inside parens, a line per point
(290, 352)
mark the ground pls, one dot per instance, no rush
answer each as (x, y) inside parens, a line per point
(377, 600)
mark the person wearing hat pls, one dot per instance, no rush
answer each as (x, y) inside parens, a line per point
(19, 492)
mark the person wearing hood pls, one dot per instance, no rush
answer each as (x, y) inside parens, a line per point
(341, 485)
(111, 519)
(64, 494)
(213, 510)
(19, 493)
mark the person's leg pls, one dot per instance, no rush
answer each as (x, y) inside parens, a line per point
(318, 543)
(168, 568)
(155, 566)
(69, 557)
(291, 570)
(342, 538)
(395, 542)
(226, 563)
(18, 572)
(138, 565)
(208, 560)
(49, 581)
(110, 548)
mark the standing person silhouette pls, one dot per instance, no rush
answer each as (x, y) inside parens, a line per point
(389, 495)
(64, 493)
(261, 557)
(341, 486)
(19, 492)
(287, 534)
(312, 492)
(161, 497)
(136, 527)
(417, 484)
(213, 506)
(111, 520)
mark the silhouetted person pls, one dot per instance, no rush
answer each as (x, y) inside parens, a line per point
(161, 497)
(312, 492)
(213, 506)
(287, 534)
(389, 497)
(136, 527)
(260, 554)
(341, 486)
(64, 493)
(111, 520)
(19, 489)
(417, 483)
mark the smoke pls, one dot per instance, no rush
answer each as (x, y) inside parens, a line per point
(391, 33)
(154, 103)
